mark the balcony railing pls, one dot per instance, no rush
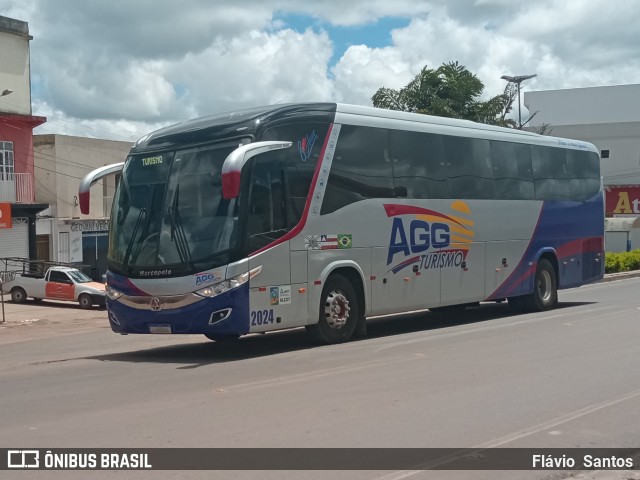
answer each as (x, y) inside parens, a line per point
(16, 187)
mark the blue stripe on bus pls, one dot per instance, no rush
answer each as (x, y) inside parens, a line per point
(568, 230)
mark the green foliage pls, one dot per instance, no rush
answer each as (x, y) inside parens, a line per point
(449, 91)
(622, 262)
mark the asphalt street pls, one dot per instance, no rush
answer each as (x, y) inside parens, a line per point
(483, 378)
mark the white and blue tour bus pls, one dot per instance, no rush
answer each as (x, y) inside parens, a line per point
(323, 215)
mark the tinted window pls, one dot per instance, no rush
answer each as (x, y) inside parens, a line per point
(299, 161)
(584, 168)
(418, 164)
(266, 219)
(468, 167)
(361, 168)
(512, 171)
(550, 173)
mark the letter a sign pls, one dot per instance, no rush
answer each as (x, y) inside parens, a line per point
(5, 215)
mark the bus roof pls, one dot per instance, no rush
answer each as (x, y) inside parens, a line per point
(247, 122)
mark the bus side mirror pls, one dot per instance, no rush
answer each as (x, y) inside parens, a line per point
(84, 191)
(235, 161)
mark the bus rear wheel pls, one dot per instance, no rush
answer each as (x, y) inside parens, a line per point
(338, 314)
(545, 288)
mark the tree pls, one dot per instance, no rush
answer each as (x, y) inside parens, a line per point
(449, 91)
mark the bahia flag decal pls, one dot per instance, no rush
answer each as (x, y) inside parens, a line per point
(328, 241)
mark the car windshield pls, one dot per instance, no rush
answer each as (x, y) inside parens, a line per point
(78, 276)
(169, 214)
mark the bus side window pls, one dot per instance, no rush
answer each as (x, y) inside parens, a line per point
(550, 173)
(512, 170)
(418, 164)
(361, 168)
(469, 167)
(584, 171)
(267, 220)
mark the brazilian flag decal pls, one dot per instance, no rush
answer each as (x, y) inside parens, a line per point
(344, 241)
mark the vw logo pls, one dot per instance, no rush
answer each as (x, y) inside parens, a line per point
(155, 304)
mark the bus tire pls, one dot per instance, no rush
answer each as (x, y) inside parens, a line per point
(339, 314)
(85, 301)
(222, 337)
(18, 295)
(545, 288)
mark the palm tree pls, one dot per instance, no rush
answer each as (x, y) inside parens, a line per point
(449, 91)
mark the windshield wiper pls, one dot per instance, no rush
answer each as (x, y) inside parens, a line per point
(177, 230)
(143, 213)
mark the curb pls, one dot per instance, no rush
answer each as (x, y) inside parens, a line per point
(610, 277)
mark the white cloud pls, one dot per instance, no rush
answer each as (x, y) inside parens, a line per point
(257, 68)
(149, 62)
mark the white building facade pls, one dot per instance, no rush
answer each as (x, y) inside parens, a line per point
(608, 117)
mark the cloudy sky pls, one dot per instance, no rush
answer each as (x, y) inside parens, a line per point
(120, 68)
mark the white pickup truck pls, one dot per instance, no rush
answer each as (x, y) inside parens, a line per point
(58, 283)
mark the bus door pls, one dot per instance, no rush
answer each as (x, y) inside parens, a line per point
(60, 286)
(267, 221)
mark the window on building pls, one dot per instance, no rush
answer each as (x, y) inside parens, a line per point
(604, 153)
(6, 161)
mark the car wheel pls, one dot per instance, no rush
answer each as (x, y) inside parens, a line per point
(85, 301)
(18, 295)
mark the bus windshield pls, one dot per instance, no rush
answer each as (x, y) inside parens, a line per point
(169, 214)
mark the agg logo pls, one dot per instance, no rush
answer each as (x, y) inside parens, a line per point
(431, 239)
(206, 277)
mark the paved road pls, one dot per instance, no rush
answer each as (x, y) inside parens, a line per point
(485, 378)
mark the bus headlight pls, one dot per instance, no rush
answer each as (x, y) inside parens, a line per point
(226, 285)
(112, 293)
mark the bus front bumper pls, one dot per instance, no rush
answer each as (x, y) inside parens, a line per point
(227, 313)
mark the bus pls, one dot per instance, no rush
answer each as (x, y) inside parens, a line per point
(323, 215)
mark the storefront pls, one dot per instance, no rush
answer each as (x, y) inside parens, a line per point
(18, 229)
(93, 234)
(622, 201)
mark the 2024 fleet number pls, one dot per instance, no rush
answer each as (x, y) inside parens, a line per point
(261, 317)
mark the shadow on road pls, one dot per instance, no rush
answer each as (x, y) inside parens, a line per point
(194, 355)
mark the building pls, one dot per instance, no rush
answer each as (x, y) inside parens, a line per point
(63, 234)
(18, 207)
(608, 117)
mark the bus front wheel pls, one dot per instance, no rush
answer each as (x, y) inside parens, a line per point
(545, 288)
(338, 314)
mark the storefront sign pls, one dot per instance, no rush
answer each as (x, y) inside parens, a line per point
(90, 225)
(5, 215)
(623, 201)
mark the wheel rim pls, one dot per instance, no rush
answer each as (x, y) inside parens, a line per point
(84, 301)
(336, 310)
(18, 295)
(544, 286)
